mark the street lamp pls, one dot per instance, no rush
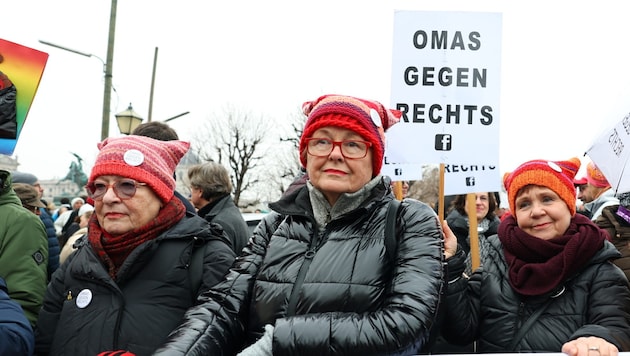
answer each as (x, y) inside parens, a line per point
(107, 68)
(128, 120)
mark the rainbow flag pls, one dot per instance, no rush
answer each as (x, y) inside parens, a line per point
(24, 66)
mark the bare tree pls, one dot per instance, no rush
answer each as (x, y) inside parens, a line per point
(238, 140)
(427, 189)
(290, 167)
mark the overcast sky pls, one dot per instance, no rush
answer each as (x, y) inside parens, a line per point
(564, 74)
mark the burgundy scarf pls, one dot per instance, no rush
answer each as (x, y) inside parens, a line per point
(537, 266)
(113, 250)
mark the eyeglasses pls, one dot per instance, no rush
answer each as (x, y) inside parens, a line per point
(351, 149)
(124, 189)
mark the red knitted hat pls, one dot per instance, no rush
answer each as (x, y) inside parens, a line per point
(595, 177)
(370, 119)
(141, 158)
(557, 176)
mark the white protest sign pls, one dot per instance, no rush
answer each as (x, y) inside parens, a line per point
(609, 154)
(446, 70)
(403, 171)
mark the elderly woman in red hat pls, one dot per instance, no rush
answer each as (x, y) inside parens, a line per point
(141, 264)
(317, 277)
(547, 283)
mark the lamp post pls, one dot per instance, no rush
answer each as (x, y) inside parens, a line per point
(107, 68)
(128, 120)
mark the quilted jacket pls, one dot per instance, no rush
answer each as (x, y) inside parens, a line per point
(326, 292)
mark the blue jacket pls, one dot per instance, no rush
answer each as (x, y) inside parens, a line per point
(53, 242)
(16, 334)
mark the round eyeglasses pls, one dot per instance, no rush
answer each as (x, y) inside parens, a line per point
(124, 189)
(351, 149)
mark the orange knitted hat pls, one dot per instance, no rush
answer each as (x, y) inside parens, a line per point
(557, 176)
(595, 177)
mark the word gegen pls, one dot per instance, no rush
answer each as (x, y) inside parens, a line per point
(445, 77)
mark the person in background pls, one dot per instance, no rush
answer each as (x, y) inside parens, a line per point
(29, 196)
(615, 219)
(210, 189)
(64, 205)
(24, 252)
(142, 264)
(160, 131)
(53, 242)
(66, 219)
(85, 212)
(404, 184)
(597, 193)
(74, 226)
(317, 277)
(580, 186)
(16, 333)
(547, 283)
(487, 223)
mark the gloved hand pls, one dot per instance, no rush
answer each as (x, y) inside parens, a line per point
(262, 347)
(116, 353)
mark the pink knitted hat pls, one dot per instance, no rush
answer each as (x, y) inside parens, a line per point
(143, 159)
(370, 119)
(595, 176)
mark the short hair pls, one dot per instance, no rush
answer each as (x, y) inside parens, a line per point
(211, 178)
(156, 130)
(460, 205)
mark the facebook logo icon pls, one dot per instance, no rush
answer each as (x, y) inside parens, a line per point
(442, 142)
(470, 181)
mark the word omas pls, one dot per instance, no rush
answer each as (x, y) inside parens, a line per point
(431, 76)
(446, 76)
(616, 142)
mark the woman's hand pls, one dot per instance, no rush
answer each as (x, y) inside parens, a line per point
(450, 241)
(589, 346)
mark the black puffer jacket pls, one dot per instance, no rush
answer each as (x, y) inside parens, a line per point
(85, 312)
(326, 292)
(595, 302)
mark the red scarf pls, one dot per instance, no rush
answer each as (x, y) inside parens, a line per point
(537, 266)
(113, 250)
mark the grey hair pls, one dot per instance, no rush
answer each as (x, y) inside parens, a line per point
(211, 178)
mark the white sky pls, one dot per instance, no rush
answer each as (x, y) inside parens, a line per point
(565, 74)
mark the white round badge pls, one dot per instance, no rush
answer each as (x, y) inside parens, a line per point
(133, 157)
(555, 167)
(376, 118)
(84, 298)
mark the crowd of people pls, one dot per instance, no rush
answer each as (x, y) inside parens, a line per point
(344, 264)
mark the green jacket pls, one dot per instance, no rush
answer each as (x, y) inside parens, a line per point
(23, 251)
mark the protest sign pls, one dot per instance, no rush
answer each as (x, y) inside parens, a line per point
(21, 69)
(446, 81)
